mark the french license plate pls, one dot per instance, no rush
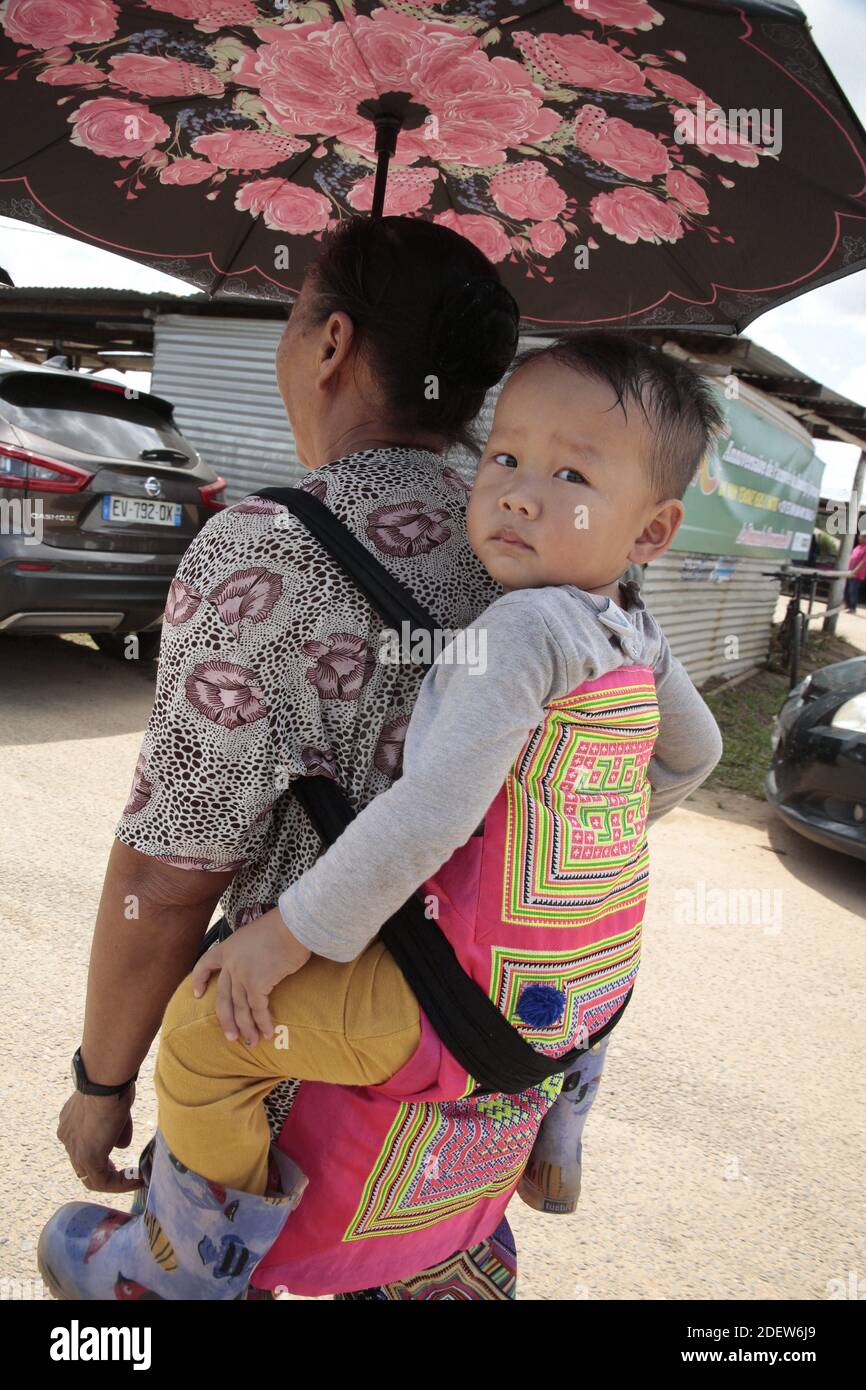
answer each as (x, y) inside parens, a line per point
(141, 511)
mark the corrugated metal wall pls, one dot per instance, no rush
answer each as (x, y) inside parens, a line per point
(219, 372)
(703, 602)
(220, 375)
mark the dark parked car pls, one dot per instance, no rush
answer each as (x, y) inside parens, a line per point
(817, 781)
(109, 494)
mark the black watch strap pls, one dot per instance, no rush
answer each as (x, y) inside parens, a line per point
(92, 1088)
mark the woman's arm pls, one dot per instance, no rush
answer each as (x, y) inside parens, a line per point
(137, 962)
(150, 923)
(200, 806)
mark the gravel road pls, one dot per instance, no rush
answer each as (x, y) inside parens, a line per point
(724, 1156)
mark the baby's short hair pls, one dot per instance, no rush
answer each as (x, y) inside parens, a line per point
(677, 404)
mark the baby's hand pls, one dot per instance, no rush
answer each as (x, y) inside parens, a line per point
(250, 963)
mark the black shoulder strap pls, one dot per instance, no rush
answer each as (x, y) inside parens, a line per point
(465, 1018)
(392, 600)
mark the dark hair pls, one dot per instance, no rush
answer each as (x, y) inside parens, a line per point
(425, 303)
(677, 404)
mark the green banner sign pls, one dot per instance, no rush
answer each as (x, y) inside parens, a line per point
(756, 493)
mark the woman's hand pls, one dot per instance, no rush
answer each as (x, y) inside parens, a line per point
(251, 963)
(89, 1128)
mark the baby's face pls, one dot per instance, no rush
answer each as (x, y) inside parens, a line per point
(562, 494)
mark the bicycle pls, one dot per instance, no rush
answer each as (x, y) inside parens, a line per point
(794, 629)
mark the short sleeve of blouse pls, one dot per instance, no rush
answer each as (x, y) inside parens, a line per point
(208, 775)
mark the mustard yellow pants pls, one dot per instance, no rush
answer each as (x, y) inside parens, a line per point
(355, 1024)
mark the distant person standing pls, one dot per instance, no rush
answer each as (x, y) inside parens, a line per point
(854, 586)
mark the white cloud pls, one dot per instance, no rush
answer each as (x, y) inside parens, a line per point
(854, 384)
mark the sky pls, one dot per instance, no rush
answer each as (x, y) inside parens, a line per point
(823, 332)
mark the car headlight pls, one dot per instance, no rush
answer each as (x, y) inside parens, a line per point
(851, 715)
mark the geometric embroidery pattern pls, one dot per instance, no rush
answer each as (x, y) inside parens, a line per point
(484, 1273)
(577, 801)
(594, 983)
(441, 1157)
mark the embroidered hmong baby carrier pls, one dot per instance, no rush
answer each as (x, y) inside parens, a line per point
(531, 959)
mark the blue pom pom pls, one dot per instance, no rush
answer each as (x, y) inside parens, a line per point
(541, 1005)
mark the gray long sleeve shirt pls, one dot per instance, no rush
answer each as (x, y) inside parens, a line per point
(470, 721)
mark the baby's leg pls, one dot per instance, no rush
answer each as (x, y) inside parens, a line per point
(551, 1179)
(355, 1024)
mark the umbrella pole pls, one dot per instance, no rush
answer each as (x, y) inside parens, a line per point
(387, 128)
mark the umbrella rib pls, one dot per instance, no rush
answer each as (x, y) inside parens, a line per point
(373, 82)
(34, 154)
(156, 104)
(254, 222)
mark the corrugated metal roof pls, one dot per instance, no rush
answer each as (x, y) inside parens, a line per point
(51, 293)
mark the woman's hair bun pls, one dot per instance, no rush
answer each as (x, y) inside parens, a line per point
(474, 334)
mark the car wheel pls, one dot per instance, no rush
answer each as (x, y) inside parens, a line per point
(121, 648)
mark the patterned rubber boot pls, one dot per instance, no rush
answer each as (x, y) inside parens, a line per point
(551, 1178)
(195, 1240)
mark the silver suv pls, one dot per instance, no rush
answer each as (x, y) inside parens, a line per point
(100, 494)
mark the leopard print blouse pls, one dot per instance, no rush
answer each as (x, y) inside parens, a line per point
(268, 672)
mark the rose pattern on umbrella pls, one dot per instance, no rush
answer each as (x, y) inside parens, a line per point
(286, 207)
(225, 693)
(247, 149)
(142, 788)
(620, 145)
(187, 171)
(678, 87)
(61, 22)
(526, 190)
(546, 238)
(723, 143)
(522, 149)
(407, 529)
(151, 76)
(211, 15)
(388, 757)
(181, 603)
(407, 191)
(633, 215)
(115, 128)
(249, 594)
(311, 77)
(483, 231)
(581, 62)
(687, 192)
(622, 14)
(344, 664)
(76, 75)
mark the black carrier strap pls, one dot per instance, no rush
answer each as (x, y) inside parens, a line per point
(466, 1019)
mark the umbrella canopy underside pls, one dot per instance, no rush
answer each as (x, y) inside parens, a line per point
(623, 162)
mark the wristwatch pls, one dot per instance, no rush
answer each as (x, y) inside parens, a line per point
(90, 1088)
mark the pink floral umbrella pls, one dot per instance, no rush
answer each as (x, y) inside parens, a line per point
(682, 162)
